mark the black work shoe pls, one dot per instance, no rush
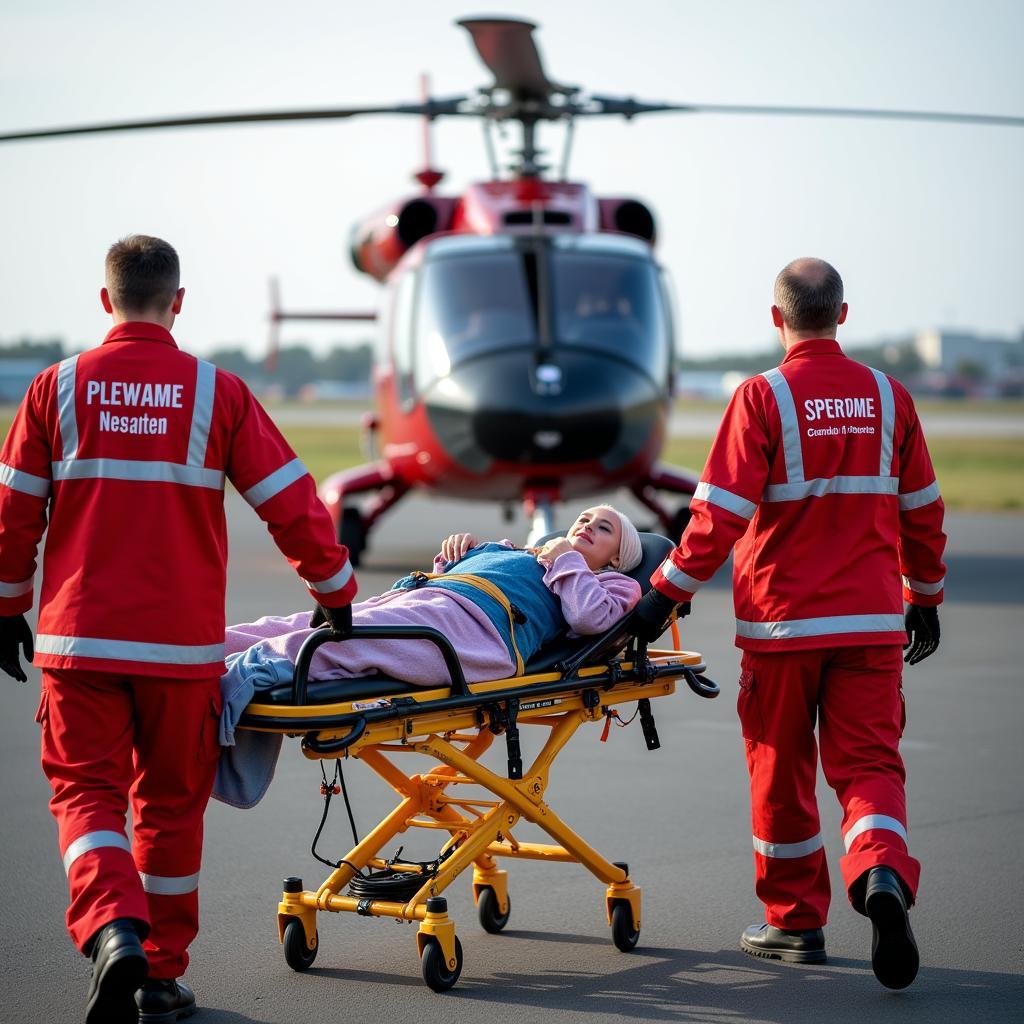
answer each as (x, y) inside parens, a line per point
(807, 947)
(894, 957)
(164, 1001)
(119, 967)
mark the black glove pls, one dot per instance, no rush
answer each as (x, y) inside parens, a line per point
(339, 619)
(14, 630)
(653, 613)
(922, 633)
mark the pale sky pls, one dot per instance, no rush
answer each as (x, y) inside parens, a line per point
(924, 221)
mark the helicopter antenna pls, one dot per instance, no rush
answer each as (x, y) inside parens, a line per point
(570, 131)
(428, 176)
(492, 157)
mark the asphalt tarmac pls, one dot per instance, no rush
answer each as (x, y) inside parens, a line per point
(678, 815)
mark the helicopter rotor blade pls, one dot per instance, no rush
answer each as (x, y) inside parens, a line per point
(629, 108)
(430, 109)
(507, 47)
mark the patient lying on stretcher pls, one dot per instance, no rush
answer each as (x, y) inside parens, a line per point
(568, 584)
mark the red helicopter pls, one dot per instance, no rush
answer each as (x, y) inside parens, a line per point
(525, 337)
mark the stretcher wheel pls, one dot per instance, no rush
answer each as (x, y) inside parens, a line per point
(435, 968)
(297, 955)
(491, 918)
(624, 935)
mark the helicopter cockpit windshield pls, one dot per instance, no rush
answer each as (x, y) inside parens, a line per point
(471, 302)
(608, 297)
(481, 295)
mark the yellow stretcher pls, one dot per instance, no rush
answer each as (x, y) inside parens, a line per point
(374, 720)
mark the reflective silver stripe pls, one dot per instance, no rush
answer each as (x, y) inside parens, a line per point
(27, 483)
(202, 412)
(66, 406)
(678, 578)
(870, 821)
(275, 482)
(725, 499)
(920, 587)
(832, 485)
(824, 626)
(790, 425)
(15, 589)
(918, 499)
(94, 841)
(887, 405)
(129, 650)
(144, 472)
(336, 582)
(787, 851)
(167, 885)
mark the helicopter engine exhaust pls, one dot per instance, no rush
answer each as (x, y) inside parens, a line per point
(629, 216)
(380, 241)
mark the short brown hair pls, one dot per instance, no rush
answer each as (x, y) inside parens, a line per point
(809, 294)
(142, 274)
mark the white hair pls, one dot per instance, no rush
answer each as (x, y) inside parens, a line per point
(630, 549)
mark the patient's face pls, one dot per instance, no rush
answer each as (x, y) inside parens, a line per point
(596, 535)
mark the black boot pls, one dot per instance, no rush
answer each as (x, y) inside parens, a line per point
(894, 957)
(765, 940)
(118, 968)
(164, 1001)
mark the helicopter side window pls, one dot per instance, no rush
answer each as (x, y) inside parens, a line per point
(467, 306)
(611, 304)
(401, 336)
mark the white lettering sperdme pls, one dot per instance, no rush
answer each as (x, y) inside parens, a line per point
(121, 392)
(838, 408)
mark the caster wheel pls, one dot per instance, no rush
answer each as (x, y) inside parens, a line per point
(436, 972)
(624, 935)
(352, 533)
(297, 955)
(491, 918)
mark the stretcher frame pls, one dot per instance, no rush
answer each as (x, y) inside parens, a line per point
(454, 725)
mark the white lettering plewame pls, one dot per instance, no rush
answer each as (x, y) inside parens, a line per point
(120, 392)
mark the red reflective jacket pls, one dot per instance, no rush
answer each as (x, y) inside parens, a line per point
(127, 447)
(820, 476)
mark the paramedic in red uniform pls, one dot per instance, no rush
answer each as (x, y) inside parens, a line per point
(121, 453)
(820, 477)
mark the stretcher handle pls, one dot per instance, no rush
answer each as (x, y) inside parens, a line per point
(325, 634)
(335, 746)
(700, 684)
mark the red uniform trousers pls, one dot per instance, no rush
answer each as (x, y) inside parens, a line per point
(107, 738)
(854, 694)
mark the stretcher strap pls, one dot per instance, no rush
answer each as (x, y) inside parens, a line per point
(514, 615)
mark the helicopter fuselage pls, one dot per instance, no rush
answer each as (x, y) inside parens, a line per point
(534, 358)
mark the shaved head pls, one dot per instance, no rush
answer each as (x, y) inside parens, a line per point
(142, 274)
(809, 294)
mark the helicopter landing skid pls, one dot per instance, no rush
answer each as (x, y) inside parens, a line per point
(353, 524)
(674, 480)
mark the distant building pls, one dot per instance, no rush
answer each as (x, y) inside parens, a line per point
(15, 377)
(955, 352)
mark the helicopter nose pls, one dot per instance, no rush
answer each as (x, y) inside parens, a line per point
(508, 408)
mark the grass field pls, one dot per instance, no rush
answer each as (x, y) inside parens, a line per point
(975, 474)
